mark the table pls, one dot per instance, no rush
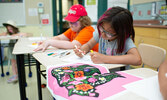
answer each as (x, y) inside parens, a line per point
(48, 61)
(139, 72)
(21, 48)
(5, 38)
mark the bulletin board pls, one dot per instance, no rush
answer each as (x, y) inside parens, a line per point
(10, 1)
(12, 11)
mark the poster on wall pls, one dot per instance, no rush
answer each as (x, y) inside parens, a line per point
(10, 1)
(91, 8)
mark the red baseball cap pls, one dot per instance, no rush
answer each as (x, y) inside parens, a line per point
(75, 12)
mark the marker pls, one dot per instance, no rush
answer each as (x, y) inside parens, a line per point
(64, 54)
(91, 51)
(50, 54)
(34, 43)
(79, 50)
(68, 53)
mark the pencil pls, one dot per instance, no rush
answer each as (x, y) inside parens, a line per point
(79, 50)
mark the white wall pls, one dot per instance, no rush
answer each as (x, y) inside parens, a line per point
(121, 3)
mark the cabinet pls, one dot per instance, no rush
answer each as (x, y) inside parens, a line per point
(153, 36)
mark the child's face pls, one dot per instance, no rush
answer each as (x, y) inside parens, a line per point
(10, 29)
(75, 26)
(106, 30)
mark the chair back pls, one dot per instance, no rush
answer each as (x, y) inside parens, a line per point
(151, 55)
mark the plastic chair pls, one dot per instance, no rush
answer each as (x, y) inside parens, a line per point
(151, 55)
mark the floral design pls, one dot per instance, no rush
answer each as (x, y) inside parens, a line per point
(83, 87)
(65, 68)
(92, 80)
(79, 74)
(82, 79)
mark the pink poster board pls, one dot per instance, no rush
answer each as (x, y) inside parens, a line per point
(97, 86)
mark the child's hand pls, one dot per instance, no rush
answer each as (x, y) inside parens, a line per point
(96, 57)
(42, 46)
(40, 42)
(79, 52)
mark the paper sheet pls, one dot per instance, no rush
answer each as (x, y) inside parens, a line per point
(148, 88)
(74, 58)
(36, 38)
(106, 90)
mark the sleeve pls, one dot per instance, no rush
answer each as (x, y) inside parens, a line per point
(85, 35)
(68, 33)
(128, 45)
(96, 36)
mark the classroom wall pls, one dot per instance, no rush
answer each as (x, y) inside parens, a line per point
(143, 1)
(33, 4)
(33, 24)
(145, 10)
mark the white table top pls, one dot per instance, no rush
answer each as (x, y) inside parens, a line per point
(24, 45)
(21, 46)
(9, 37)
(46, 60)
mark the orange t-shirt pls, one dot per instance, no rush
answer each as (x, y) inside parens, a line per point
(83, 36)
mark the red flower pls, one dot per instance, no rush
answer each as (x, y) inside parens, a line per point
(79, 74)
(83, 87)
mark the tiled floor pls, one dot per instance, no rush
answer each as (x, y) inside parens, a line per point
(11, 91)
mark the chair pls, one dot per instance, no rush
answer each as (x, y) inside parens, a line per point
(151, 55)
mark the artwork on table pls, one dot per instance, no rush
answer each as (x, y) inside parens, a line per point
(85, 81)
(10, 1)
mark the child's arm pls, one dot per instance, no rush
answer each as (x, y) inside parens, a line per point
(163, 79)
(3, 34)
(131, 58)
(60, 41)
(21, 34)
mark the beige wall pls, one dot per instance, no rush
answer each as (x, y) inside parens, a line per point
(142, 1)
(33, 4)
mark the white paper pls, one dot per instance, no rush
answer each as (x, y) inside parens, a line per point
(92, 13)
(36, 38)
(32, 12)
(44, 16)
(148, 88)
(75, 59)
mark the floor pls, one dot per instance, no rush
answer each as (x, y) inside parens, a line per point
(11, 91)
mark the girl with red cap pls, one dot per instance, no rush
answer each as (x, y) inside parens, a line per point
(79, 33)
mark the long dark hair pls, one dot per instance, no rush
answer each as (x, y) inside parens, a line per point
(121, 21)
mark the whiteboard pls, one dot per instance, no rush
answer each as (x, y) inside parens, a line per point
(12, 11)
